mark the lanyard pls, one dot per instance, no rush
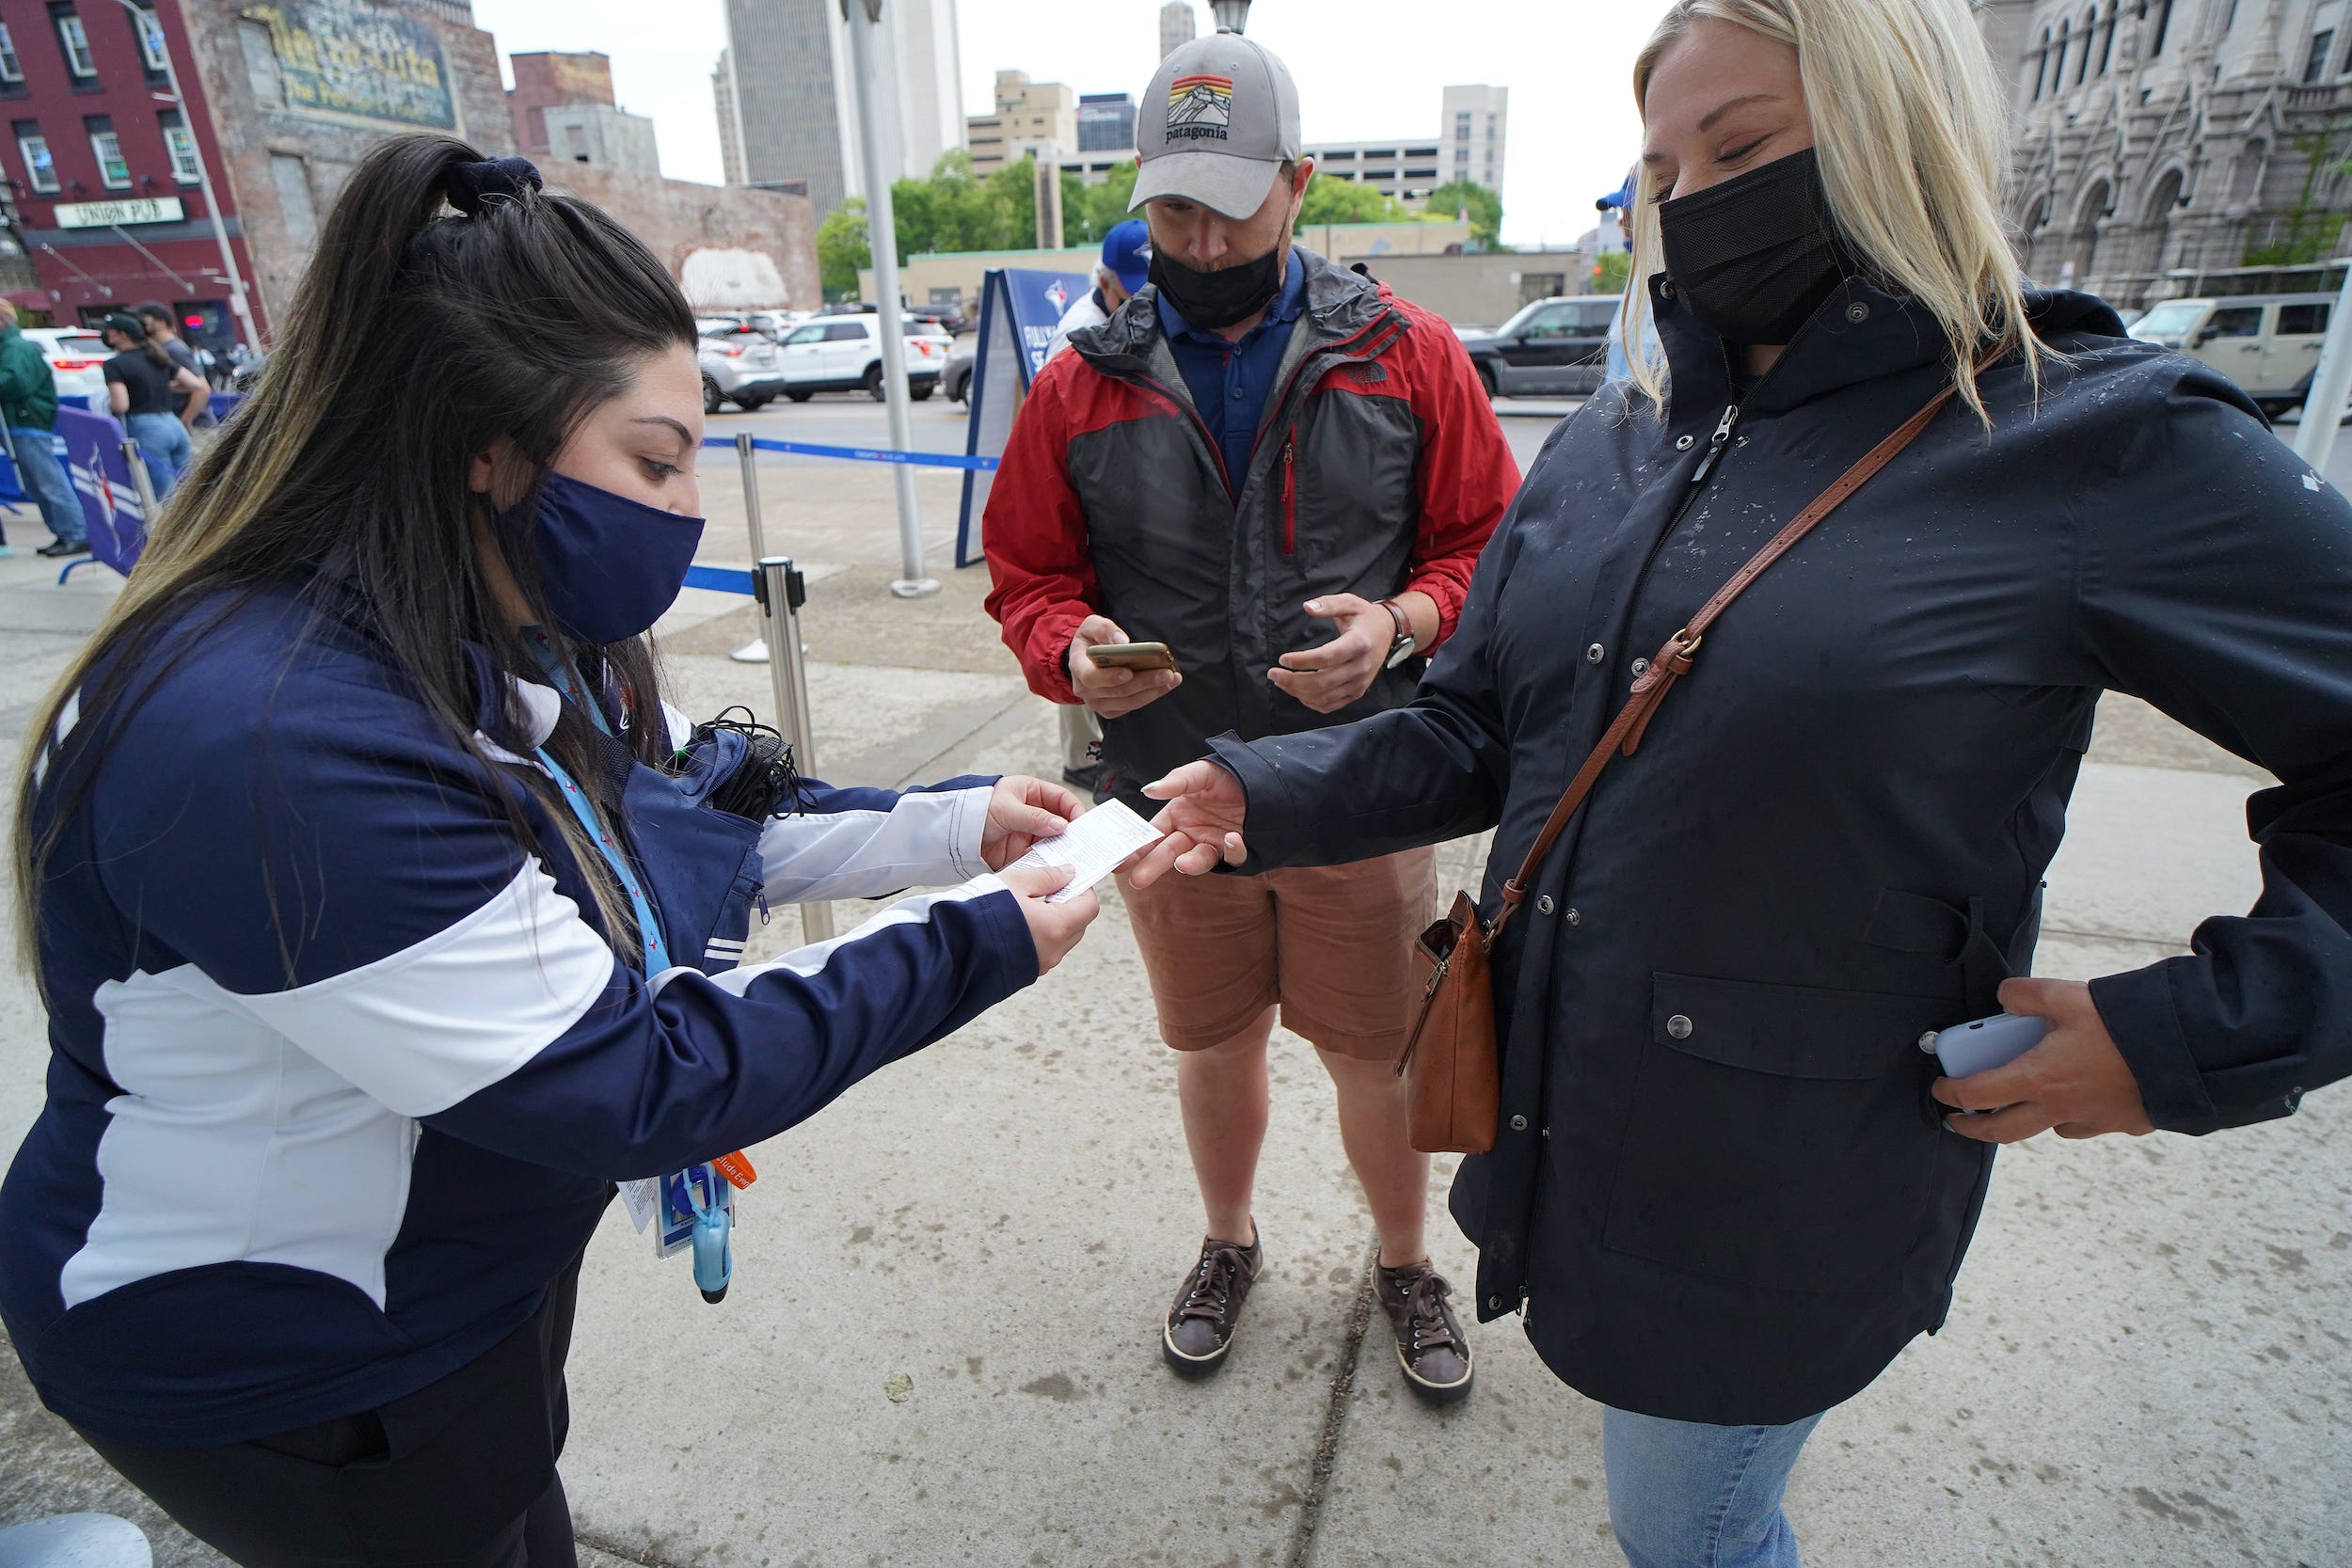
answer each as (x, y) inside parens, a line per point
(657, 951)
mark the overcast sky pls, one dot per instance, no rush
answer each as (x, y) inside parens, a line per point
(1365, 68)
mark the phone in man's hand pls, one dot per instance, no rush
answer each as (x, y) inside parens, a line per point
(1131, 656)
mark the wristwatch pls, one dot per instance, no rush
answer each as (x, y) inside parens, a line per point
(1403, 647)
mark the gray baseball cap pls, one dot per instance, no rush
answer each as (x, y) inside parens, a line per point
(1218, 121)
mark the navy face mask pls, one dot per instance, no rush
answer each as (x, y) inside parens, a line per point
(607, 566)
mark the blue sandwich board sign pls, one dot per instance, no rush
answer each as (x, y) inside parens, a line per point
(1019, 310)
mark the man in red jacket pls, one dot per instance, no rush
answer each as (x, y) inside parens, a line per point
(1285, 474)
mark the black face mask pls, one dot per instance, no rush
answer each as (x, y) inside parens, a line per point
(1754, 257)
(1220, 298)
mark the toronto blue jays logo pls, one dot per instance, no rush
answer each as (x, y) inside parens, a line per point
(1199, 108)
(1057, 294)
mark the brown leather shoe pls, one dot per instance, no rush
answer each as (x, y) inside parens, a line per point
(1430, 1344)
(1200, 1327)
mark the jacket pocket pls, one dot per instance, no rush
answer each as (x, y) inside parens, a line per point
(1774, 1138)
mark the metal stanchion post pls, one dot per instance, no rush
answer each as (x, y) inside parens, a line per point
(755, 651)
(782, 592)
(2332, 381)
(141, 483)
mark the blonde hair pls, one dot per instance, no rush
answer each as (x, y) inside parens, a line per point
(1911, 129)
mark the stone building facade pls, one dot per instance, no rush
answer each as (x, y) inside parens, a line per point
(2159, 142)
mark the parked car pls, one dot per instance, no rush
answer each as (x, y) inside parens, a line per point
(739, 366)
(950, 319)
(1552, 348)
(843, 353)
(956, 380)
(2267, 343)
(77, 358)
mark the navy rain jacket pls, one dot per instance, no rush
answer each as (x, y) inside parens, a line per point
(1831, 840)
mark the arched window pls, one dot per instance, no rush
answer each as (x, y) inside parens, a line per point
(2057, 75)
(2042, 65)
(2090, 25)
(2164, 24)
(2106, 40)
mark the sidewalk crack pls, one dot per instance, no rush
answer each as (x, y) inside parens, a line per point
(1335, 1414)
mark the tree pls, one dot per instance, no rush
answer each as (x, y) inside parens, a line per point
(1484, 206)
(1346, 201)
(1610, 274)
(843, 247)
(1091, 212)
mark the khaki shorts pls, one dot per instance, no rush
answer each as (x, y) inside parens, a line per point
(1331, 945)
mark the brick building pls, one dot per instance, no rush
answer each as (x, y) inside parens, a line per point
(285, 98)
(102, 165)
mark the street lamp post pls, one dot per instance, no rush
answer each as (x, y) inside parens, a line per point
(145, 19)
(1232, 16)
(876, 93)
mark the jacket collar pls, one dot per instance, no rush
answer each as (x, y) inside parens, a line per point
(1340, 304)
(1860, 333)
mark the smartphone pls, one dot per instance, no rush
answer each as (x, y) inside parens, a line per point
(1966, 1049)
(1131, 656)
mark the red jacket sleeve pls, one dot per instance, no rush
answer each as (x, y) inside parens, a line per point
(1467, 474)
(1034, 534)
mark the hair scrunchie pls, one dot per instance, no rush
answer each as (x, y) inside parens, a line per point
(469, 186)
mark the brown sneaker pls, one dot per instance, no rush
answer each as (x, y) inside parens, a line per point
(1200, 1327)
(1430, 1344)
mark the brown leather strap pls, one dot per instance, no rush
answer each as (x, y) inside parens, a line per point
(1674, 660)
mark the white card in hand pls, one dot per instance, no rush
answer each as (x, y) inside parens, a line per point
(1094, 847)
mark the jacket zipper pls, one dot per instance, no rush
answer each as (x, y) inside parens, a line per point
(1290, 494)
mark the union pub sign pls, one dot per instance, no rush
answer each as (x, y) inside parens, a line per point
(104, 215)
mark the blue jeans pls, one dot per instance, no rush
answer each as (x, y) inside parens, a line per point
(164, 445)
(1685, 1495)
(45, 481)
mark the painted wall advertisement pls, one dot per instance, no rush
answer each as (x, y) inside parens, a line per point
(349, 57)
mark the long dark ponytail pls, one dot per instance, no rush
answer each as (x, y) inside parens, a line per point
(418, 338)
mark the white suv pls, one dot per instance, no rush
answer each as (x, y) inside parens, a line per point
(77, 360)
(843, 353)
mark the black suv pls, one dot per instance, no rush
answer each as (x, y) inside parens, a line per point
(1552, 348)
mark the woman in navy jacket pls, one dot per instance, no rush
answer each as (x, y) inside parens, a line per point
(386, 917)
(1718, 1189)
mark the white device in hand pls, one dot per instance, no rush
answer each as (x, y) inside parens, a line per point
(1966, 1049)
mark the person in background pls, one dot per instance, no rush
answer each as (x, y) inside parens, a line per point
(1286, 473)
(142, 384)
(1125, 266)
(162, 328)
(1620, 201)
(28, 403)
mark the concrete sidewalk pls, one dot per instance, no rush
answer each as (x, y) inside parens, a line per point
(940, 1347)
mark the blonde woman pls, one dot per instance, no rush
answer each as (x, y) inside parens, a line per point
(1720, 1190)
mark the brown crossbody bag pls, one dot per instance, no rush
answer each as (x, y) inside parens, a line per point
(1452, 1076)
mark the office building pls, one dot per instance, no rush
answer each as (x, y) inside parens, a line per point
(1035, 119)
(2160, 147)
(562, 109)
(1176, 26)
(1107, 122)
(730, 148)
(787, 106)
(1468, 145)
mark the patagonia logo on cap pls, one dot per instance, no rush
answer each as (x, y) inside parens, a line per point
(1199, 108)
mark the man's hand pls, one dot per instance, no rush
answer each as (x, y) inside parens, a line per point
(1020, 811)
(2075, 1083)
(1054, 928)
(1112, 693)
(1332, 674)
(1201, 820)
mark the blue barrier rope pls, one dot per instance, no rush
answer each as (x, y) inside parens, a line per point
(863, 454)
(721, 580)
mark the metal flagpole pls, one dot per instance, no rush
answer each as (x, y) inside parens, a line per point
(877, 95)
(2332, 381)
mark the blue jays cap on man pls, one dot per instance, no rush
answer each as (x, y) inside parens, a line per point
(1218, 121)
(1127, 253)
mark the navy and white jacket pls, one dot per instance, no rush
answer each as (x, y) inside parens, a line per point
(341, 1077)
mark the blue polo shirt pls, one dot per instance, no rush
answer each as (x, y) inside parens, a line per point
(1230, 379)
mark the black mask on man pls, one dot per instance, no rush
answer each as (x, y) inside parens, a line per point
(1754, 257)
(1220, 298)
